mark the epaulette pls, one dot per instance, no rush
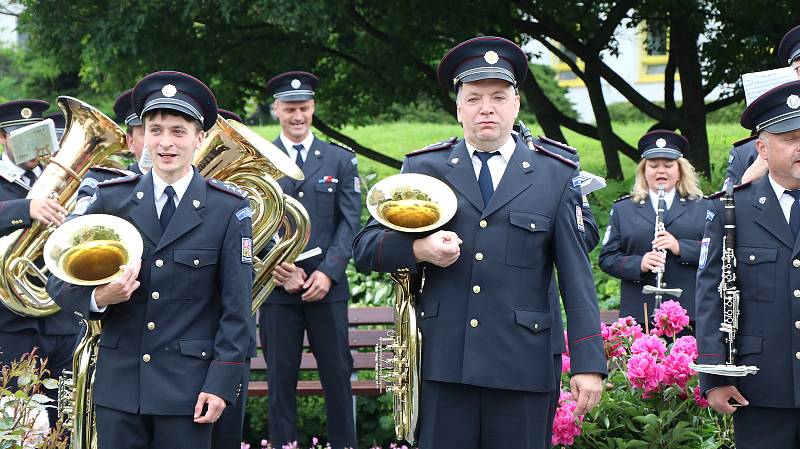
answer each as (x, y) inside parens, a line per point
(341, 145)
(436, 146)
(119, 180)
(558, 157)
(112, 170)
(623, 197)
(743, 141)
(227, 187)
(736, 188)
(558, 144)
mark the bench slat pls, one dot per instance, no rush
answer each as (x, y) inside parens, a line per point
(314, 388)
(361, 361)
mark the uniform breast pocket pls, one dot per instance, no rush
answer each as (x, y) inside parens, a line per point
(527, 237)
(755, 272)
(325, 193)
(195, 273)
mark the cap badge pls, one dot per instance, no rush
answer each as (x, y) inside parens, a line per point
(295, 83)
(169, 90)
(26, 113)
(491, 57)
(196, 203)
(661, 143)
(793, 101)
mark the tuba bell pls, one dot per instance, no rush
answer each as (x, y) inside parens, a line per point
(89, 139)
(412, 203)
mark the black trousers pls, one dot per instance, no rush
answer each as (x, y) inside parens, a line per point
(57, 349)
(227, 431)
(458, 416)
(553, 406)
(281, 331)
(766, 427)
(122, 430)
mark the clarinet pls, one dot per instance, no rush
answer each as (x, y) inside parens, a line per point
(660, 289)
(729, 293)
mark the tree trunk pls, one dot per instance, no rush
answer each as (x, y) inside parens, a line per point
(603, 121)
(546, 113)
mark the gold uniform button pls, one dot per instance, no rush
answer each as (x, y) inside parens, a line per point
(473, 322)
(483, 223)
(146, 358)
(478, 256)
(151, 325)
(752, 257)
(797, 293)
(159, 263)
(476, 289)
(155, 295)
(796, 263)
(301, 194)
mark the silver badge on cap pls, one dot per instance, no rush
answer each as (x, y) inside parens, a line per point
(661, 143)
(491, 57)
(26, 113)
(295, 83)
(793, 101)
(169, 91)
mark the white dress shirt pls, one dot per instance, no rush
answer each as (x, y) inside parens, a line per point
(784, 199)
(289, 145)
(16, 171)
(497, 165)
(180, 186)
(668, 198)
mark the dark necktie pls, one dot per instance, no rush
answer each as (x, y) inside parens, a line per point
(794, 214)
(30, 176)
(298, 160)
(485, 176)
(169, 208)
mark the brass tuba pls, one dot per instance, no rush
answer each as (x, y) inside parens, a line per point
(415, 203)
(234, 153)
(90, 137)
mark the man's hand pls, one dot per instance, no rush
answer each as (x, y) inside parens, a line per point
(440, 248)
(587, 389)
(215, 407)
(756, 170)
(121, 289)
(316, 287)
(47, 211)
(719, 399)
(652, 261)
(290, 277)
(667, 241)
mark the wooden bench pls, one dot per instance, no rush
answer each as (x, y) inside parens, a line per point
(362, 345)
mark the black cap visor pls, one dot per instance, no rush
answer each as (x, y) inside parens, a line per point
(788, 123)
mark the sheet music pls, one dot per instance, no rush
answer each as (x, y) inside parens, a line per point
(757, 83)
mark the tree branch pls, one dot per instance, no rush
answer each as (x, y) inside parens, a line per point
(722, 102)
(368, 153)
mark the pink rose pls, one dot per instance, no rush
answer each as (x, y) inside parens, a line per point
(649, 344)
(676, 369)
(644, 372)
(671, 318)
(687, 345)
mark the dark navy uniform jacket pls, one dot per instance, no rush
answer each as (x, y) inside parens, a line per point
(488, 322)
(14, 215)
(331, 193)
(628, 237)
(768, 276)
(186, 328)
(742, 155)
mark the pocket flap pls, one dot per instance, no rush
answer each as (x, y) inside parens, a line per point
(534, 320)
(327, 187)
(196, 257)
(752, 255)
(200, 348)
(531, 221)
(108, 340)
(749, 344)
(429, 309)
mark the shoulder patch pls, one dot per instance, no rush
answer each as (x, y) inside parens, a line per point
(112, 170)
(558, 144)
(436, 146)
(542, 150)
(342, 146)
(623, 197)
(743, 141)
(719, 194)
(227, 187)
(119, 180)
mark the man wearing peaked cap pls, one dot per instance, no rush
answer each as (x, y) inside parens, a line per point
(54, 335)
(767, 249)
(228, 115)
(312, 295)
(134, 132)
(519, 217)
(175, 325)
(743, 163)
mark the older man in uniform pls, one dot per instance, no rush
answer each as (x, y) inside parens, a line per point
(768, 259)
(485, 312)
(744, 165)
(175, 333)
(312, 296)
